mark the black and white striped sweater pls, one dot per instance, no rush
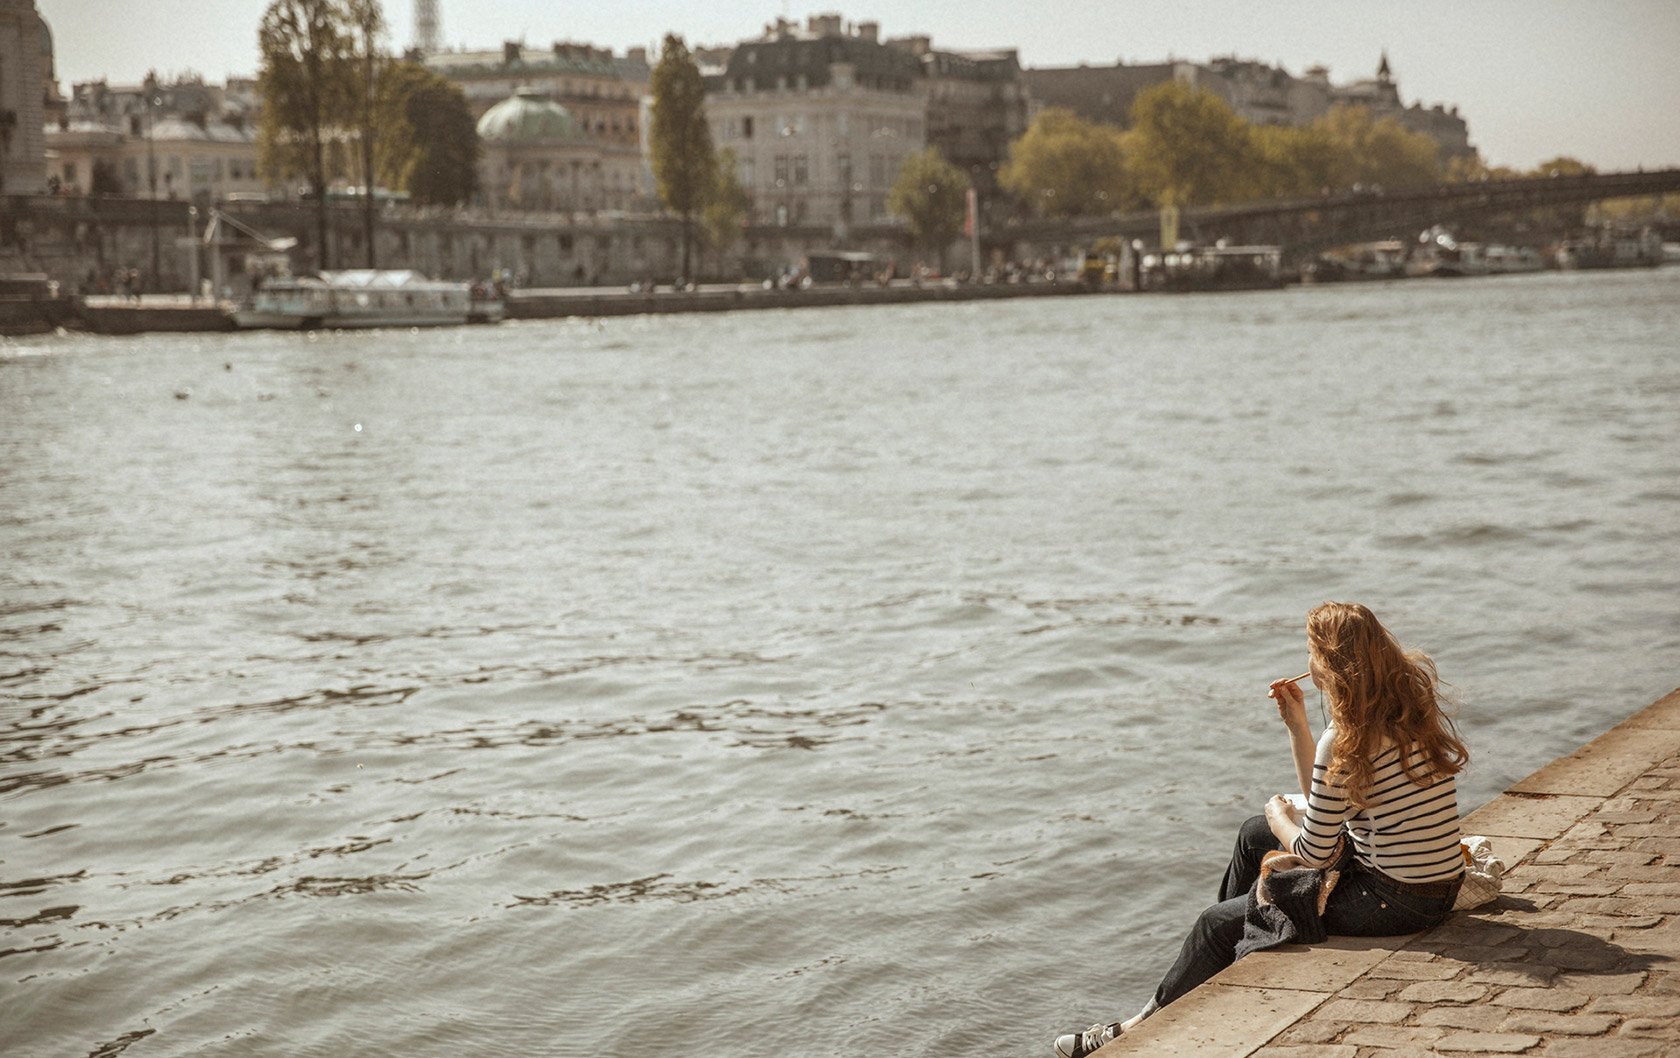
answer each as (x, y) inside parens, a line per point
(1408, 831)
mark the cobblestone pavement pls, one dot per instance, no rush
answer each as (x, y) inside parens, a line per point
(1580, 955)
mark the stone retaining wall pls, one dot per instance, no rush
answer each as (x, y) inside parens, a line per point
(1579, 956)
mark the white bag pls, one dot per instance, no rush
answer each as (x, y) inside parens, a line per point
(1483, 874)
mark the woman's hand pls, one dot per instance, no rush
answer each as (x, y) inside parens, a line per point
(1291, 704)
(1281, 807)
(1284, 819)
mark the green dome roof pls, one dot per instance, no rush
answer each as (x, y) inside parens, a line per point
(525, 117)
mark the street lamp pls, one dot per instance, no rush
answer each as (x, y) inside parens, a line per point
(153, 100)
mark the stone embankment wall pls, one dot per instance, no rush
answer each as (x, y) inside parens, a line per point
(1580, 955)
(82, 242)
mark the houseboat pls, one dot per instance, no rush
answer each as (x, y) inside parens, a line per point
(366, 298)
(1213, 268)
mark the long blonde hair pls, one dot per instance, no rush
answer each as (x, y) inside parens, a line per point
(1379, 692)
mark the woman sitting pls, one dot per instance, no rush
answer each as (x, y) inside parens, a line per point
(1382, 806)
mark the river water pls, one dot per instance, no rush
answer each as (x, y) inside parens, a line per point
(850, 681)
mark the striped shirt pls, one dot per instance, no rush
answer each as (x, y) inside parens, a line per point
(1405, 830)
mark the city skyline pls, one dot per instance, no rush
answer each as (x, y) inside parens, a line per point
(1534, 80)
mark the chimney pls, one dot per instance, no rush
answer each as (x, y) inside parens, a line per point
(510, 51)
(827, 25)
(636, 55)
(870, 31)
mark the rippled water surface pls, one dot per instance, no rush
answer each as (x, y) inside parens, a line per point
(875, 681)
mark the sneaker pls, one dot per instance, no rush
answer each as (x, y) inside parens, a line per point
(1078, 1045)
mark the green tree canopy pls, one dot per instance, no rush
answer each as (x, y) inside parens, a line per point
(1294, 160)
(1066, 166)
(430, 145)
(1563, 165)
(679, 138)
(1378, 151)
(1188, 148)
(726, 204)
(305, 47)
(931, 196)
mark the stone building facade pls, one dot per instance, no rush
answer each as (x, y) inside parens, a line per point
(1259, 93)
(977, 105)
(602, 92)
(25, 64)
(1381, 96)
(538, 157)
(821, 116)
(819, 119)
(185, 139)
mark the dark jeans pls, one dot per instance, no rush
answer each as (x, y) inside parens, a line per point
(1364, 904)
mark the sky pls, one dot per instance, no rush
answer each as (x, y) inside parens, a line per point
(1593, 79)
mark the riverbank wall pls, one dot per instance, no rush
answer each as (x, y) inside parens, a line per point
(539, 304)
(169, 313)
(1579, 955)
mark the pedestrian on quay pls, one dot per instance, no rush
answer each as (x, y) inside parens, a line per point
(1381, 823)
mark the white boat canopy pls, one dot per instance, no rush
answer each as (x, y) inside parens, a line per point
(374, 279)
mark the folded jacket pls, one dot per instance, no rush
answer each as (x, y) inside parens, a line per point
(1286, 904)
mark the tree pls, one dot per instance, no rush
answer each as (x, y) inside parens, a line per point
(1294, 160)
(679, 139)
(1188, 148)
(368, 22)
(1379, 152)
(303, 44)
(931, 195)
(726, 205)
(1566, 219)
(429, 147)
(1066, 166)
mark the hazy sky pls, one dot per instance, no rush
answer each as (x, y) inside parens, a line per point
(1597, 79)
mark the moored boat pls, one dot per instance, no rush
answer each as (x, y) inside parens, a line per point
(366, 297)
(1213, 268)
(1362, 261)
(1611, 247)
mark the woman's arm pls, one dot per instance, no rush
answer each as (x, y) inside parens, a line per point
(1281, 817)
(1292, 710)
(1327, 810)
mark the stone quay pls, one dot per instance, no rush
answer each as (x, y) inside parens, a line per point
(1579, 956)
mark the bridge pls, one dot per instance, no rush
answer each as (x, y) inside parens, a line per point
(1304, 226)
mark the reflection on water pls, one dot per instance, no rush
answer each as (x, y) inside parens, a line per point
(811, 680)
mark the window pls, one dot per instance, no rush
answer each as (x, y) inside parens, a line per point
(748, 175)
(801, 171)
(781, 170)
(746, 128)
(844, 164)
